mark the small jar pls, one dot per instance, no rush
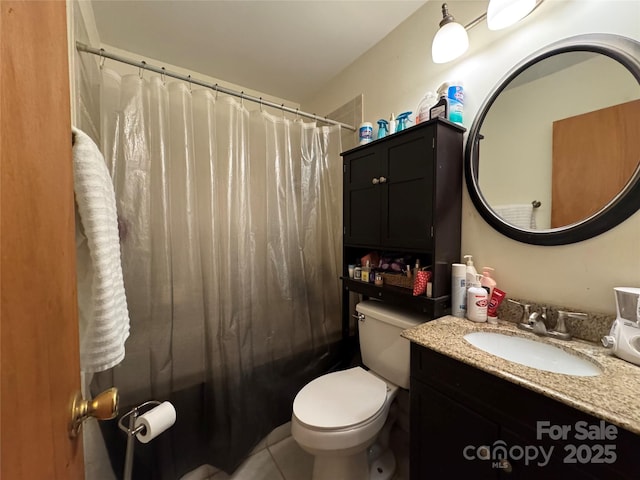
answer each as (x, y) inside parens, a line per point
(378, 280)
(352, 269)
(357, 273)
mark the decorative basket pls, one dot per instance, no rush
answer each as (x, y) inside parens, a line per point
(398, 280)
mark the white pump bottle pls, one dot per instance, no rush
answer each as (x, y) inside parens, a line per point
(471, 271)
(477, 301)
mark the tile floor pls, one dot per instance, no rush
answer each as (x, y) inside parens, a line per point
(278, 457)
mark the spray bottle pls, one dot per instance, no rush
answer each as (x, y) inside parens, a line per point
(441, 109)
(383, 128)
(403, 118)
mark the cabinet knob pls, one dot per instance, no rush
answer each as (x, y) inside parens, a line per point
(375, 181)
(383, 179)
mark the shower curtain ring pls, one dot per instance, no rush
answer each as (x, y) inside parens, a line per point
(282, 108)
(242, 98)
(297, 115)
(162, 77)
(141, 68)
(260, 104)
(102, 58)
(216, 89)
(190, 91)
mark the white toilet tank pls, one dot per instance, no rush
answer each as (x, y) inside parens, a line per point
(383, 350)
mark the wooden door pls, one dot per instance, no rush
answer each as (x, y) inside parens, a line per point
(39, 329)
(594, 156)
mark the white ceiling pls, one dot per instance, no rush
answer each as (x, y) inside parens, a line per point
(288, 49)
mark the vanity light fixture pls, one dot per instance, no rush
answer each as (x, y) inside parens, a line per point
(451, 40)
(504, 13)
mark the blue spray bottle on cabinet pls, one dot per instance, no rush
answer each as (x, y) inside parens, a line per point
(403, 118)
(383, 128)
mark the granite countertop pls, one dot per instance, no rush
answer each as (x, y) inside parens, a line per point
(614, 395)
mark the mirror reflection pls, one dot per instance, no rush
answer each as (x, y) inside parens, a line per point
(560, 141)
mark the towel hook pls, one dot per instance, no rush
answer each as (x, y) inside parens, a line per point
(102, 58)
(141, 68)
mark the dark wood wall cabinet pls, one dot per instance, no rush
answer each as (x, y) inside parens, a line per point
(466, 423)
(403, 195)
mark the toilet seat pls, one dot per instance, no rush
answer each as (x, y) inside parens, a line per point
(340, 400)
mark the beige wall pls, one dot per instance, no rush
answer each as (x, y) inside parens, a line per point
(394, 75)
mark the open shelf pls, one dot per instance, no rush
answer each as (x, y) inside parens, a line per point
(432, 307)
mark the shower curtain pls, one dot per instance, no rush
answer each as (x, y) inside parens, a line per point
(230, 236)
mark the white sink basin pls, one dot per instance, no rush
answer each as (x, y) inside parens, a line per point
(532, 353)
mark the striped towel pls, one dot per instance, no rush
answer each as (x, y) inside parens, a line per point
(520, 214)
(103, 313)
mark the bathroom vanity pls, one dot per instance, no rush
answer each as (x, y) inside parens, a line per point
(475, 415)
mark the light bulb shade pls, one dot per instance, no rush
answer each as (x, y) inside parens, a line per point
(504, 13)
(450, 42)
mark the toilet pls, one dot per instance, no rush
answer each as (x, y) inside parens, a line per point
(337, 417)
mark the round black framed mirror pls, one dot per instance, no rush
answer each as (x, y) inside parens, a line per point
(553, 154)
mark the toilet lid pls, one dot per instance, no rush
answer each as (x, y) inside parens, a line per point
(340, 399)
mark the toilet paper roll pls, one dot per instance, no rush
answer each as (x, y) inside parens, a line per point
(155, 421)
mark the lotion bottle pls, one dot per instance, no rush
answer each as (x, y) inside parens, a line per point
(477, 301)
(487, 280)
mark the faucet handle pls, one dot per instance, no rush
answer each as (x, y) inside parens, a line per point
(525, 310)
(563, 315)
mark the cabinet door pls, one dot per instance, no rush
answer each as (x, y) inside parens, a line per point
(446, 438)
(537, 459)
(362, 171)
(407, 192)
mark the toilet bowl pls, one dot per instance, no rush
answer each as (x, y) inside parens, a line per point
(338, 416)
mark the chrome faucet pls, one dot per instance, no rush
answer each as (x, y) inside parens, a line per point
(537, 324)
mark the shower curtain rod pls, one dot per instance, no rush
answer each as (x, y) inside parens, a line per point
(81, 47)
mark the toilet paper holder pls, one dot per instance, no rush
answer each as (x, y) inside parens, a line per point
(131, 430)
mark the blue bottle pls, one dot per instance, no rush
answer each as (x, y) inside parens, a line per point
(455, 96)
(383, 128)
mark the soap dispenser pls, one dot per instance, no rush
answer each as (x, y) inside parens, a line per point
(471, 271)
(487, 280)
(477, 301)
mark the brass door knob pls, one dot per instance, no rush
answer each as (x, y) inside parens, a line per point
(102, 407)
